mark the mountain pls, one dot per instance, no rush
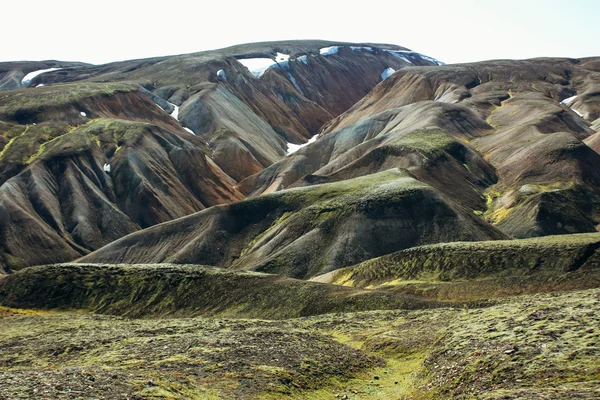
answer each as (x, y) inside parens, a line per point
(302, 220)
(91, 153)
(515, 141)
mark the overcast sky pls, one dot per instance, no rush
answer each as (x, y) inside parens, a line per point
(452, 31)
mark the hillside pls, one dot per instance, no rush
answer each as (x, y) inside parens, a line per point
(522, 135)
(167, 291)
(302, 220)
(307, 231)
(482, 270)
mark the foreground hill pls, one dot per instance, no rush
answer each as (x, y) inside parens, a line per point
(482, 270)
(305, 232)
(166, 290)
(91, 153)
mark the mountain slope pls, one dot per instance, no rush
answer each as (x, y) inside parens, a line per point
(515, 118)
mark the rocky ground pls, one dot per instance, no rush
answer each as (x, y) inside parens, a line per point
(535, 346)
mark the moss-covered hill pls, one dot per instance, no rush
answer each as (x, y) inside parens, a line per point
(307, 231)
(166, 290)
(481, 270)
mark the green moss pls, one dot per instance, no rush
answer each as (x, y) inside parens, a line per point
(429, 141)
(23, 147)
(165, 289)
(28, 102)
(83, 138)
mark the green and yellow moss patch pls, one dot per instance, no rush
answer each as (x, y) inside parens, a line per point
(536, 346)
(17, 105)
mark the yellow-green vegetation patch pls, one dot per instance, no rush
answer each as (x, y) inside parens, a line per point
(98, 132)
(24, 147)
(530, 345)
(427, 141)
(523, 347)
(176, 358)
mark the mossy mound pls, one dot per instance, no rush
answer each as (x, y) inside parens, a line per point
(482, 270)
(181, 290)
(33, 106)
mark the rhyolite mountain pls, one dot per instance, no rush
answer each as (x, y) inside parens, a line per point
(91, 153)
(435, 226)
(516, 141)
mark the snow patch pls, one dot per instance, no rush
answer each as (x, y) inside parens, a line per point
(189, 130)
(106, 167)
(175, 113)
(399, 54)
(405, 55)
(431, 59)
(387, 73)
(29, 77)
(282, 57)
(303, 59)
(292, 148)
(569, 101)
(83, 114)
(257, 66)
(329, 51)
(221, 74)
(293, 80)
(40, 85)
(357, 48)
(576, 112)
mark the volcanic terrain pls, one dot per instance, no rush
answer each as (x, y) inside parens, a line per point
(300, 219)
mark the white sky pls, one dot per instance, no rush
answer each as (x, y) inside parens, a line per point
(451, 30)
